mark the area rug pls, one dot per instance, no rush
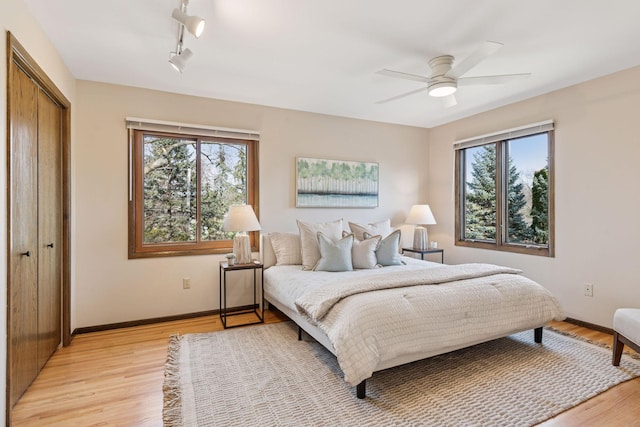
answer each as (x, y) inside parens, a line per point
(262, 375)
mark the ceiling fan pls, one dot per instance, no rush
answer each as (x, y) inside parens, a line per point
(445, 78)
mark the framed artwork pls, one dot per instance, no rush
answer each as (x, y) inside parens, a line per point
(322, 183)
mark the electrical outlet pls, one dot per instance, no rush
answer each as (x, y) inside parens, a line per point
(588, 290)
(186, 283)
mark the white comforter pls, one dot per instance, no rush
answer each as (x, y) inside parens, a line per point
(369, 328)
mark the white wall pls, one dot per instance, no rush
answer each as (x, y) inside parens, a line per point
(110, 288)
(15, 17)
(597, 151)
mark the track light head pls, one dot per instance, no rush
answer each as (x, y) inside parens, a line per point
(179, 60)
(193, 24)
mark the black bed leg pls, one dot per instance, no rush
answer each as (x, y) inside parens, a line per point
(299, 333)
(361, 390)
(537, 334)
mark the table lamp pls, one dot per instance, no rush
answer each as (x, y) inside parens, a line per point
(241, 219)
(420, 215)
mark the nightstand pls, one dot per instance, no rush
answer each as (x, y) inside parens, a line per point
(423, 252)
(256, 308)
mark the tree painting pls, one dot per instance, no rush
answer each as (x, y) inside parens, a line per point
(336, 183)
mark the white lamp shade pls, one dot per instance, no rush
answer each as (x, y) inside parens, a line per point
(421, 215)
(193, 24)
(179, 62)
(241, 218)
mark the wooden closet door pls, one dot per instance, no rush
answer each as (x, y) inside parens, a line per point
(23, 234)
(49, 227)
(38, 231)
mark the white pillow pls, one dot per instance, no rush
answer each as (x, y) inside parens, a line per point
(309, 239)
(363, 253)
(382, 228)
(286, 246)
(334, 255)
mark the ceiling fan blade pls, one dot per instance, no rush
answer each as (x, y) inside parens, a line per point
(393, 98)
(492, 80)
(401, 75)
(474, 59)
(450, 101)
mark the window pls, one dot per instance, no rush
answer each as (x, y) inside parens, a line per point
(504, 187)
(181, 188)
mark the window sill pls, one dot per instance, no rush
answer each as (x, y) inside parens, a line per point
(519, 249)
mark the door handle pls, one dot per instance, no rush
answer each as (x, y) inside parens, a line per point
(28, 253)
(50, 245)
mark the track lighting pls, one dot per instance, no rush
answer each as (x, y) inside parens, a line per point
(193, 24)
(179, 60)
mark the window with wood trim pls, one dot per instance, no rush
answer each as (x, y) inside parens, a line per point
(181, 188)
(504, 187)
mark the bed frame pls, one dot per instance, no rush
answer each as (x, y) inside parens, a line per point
(318, 335)
(268, 259)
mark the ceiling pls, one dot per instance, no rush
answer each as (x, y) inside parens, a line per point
(322, 56)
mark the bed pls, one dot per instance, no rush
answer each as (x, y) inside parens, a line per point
(378, 318)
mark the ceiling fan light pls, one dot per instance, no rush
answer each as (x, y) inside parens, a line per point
(179, 61)
(441, 89)
(193, 24)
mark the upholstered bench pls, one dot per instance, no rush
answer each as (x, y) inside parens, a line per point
(626, 330)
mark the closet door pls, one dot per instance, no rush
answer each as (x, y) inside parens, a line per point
(49, 227)
(38, 233)
(23, 234)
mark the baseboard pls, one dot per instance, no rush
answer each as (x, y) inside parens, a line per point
(142, 322)
(589, 325)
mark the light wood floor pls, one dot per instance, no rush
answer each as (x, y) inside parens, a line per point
(114, 378)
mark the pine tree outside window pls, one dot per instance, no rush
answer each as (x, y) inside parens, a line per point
(504, 191)
(182, 188)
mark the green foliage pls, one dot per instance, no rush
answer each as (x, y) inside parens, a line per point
(224, 184)
(540, 207)
(480, 203)
(518, 229)
(170, 187)
(169, 190)
(524, 225)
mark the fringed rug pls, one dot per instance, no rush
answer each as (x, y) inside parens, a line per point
(261, 375)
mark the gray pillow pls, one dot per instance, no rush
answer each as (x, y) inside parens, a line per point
(388, 252)
(334, 255)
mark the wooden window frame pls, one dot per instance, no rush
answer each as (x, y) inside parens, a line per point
(502, 243)
(136, 247)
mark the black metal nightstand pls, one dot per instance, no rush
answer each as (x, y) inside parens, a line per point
(423, 252)
(256, 308)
